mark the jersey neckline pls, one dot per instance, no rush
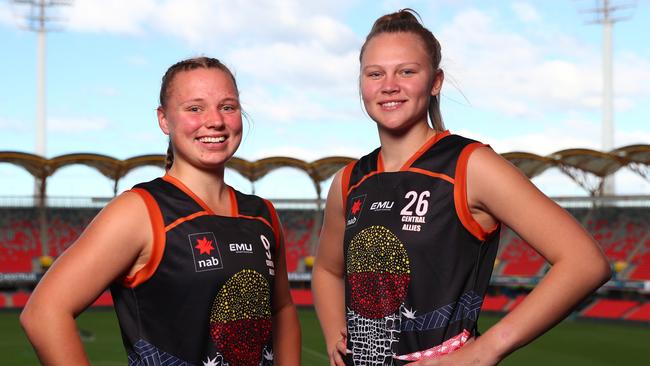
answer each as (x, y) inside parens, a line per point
(427, 144)
(234, 211)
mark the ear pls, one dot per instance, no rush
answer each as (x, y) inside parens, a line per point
(437, 82)
(162, 120)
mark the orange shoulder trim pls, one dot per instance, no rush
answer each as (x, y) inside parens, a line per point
(275, 223)
(460, 195)
(158, 245)
(345, 182)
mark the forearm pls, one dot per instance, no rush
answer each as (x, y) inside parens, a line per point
(286, 336)
(54, 337)
(328, 289)
(563, 287)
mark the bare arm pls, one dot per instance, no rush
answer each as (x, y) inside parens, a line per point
(286, 327)
(114, 242)
(497, 190)
(327, 275)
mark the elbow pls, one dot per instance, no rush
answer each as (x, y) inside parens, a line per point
(28, 321)
(604, 271)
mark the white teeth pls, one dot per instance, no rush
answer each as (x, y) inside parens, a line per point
(212, 139)
(391, 104)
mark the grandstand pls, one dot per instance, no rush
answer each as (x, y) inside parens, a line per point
(33, 228)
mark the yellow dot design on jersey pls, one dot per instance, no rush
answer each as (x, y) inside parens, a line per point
(246, 295)
(376, 249)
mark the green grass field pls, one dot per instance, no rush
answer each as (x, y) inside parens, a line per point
(570, 343)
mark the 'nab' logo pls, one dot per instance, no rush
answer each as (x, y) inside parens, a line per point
(355, 210)
(205, 252)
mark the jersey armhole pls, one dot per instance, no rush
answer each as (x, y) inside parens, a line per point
(460, 194)
(275, 223)
(158, 245)
(345, 182)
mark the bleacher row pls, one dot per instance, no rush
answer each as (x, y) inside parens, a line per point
(623, 233)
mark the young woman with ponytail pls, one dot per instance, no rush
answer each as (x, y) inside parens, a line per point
(411, 230)
(196, 269)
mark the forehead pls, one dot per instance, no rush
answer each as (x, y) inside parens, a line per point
(210, 81)
(389, 48)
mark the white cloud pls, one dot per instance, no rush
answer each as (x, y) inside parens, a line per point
(7, 16)
(77, 125)
(115, 16)
(526, 12)
(528, 74)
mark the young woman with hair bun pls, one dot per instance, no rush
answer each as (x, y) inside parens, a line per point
(411, 230)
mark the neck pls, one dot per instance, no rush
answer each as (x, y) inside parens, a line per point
(397, 148)
(209, 186)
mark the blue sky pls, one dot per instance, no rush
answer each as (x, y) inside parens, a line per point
(520, 75)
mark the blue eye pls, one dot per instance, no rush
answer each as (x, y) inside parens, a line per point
(229, 107)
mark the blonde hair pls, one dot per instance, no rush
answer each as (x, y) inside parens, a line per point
(406, 21)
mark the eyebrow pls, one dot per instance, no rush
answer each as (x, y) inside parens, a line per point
(398, 65)
(199, 100)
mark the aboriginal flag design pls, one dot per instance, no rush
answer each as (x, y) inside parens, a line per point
(378, 272)
(240, 319)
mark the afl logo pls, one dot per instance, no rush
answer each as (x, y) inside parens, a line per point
(355, 208)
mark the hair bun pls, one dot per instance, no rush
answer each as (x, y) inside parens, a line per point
(394, 20)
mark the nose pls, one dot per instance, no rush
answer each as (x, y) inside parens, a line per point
(214, 118)
(390, 85)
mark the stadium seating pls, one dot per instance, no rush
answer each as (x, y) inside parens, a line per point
(609, 308)
(298, 227)
(495, 303)
(302, 297)
(105, 299)
(517, 258)
(19, 299)
(641, 313)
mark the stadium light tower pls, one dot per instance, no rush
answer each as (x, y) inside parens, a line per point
(37, 21)
(605, 15)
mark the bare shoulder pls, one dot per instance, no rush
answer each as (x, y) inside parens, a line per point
(117, 239)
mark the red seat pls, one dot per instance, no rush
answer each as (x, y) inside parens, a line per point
(495, 303)
(642, 313)
(19, 299)
(609, 308)
(105, 299)
(302, 297)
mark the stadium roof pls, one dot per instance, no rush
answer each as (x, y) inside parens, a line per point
(586, 167)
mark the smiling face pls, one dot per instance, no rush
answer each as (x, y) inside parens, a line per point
(202, 116)
(397, 81)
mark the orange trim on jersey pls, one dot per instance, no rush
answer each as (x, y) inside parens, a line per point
(460, 195)
(432, 174)
(158, 245)
(234, 208)
(362, 180)
(276, 223)
(184, 188)
(345, 182)
(265, 221)
(432, 140)
(184, 219)
(380, 162)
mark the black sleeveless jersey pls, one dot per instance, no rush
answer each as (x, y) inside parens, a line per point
(205, 296)
(417, 264)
